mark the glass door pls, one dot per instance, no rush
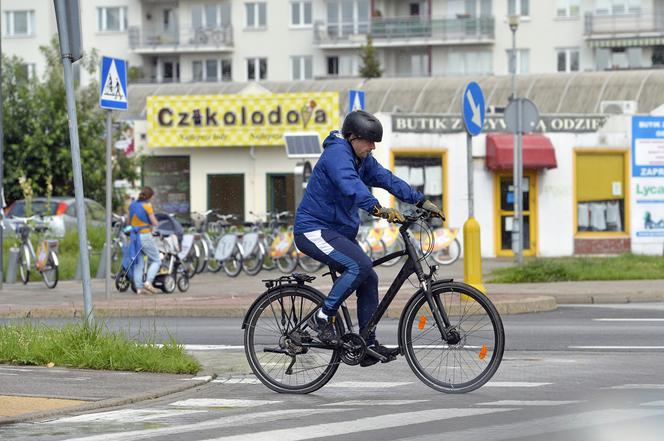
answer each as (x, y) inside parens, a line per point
(504, 196)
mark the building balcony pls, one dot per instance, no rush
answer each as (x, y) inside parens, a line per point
(623, 25)
(146, 42)
(406, 31)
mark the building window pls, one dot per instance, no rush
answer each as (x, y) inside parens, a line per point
(256, 69)
(518, 7)
(568, 8)
(301, 13)
(281, 192)
(302, 68)
(464, 62)
(211, 16)
(19, 23)
(347, 17)
(617, 7)
(600, 192)
(568, 60)
(522, 61)
(343, 65)
(212, 70)
(112, 19)
(170, 174)
(28, 70)
(424, 172)
(256, 14)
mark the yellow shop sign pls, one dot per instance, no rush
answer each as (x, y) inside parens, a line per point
(238, 120)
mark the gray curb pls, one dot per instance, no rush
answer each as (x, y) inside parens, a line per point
(104, 404)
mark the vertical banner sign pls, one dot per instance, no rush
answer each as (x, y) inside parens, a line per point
(647, 184)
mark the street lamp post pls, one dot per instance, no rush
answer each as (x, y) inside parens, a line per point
(517, 219)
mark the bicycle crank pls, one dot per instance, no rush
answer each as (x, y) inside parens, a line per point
(353, 349)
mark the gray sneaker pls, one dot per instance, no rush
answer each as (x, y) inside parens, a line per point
(324, 328)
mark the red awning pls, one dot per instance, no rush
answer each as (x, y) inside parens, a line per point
(537, 152)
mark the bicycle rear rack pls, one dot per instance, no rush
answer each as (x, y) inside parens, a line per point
(298, 278)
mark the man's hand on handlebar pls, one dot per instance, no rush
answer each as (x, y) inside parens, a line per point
(429, 206)
(390, 214)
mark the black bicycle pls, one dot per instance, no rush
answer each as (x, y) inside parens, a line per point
(450, 333)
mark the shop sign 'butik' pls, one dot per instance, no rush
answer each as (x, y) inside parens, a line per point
(238, 120)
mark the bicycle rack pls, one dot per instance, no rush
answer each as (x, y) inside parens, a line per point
(298, 278)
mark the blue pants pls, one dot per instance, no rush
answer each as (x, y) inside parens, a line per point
(346, 256)
(154, 261)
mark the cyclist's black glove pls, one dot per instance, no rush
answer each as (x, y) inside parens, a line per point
(429, 206)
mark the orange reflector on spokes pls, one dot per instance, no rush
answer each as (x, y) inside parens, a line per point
(483, 352)
(423, 321)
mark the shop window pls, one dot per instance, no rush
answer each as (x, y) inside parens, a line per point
(226, 194)
(600, 192)
(424, 172)
(281, 193)
(169, 178)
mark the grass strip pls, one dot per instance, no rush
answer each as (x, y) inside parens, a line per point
(79, 346)
(623, 267)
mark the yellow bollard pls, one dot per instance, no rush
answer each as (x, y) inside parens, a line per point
(472, 254)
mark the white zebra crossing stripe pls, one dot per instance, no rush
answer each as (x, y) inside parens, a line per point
(127, 415)
(617, 348)
(539, 426)
(218, 423)
(654, 404)
(238, 381)
(360, 425)
(514, 384)
(366, 384)
(375, 403)
(213, 402)
(639, 386)
(516, 403)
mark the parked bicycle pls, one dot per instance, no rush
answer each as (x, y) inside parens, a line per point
(450, 333)
(44, 260)
(228, 250)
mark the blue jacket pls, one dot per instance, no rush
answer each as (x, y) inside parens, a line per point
(338, 187)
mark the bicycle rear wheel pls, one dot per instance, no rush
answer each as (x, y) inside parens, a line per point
(272, 347)
(456, 367)
(50, 271)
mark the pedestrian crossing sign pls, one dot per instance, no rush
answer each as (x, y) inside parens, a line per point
(355, 100)
(113, 86)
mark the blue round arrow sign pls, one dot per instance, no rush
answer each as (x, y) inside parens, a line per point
(473, 108)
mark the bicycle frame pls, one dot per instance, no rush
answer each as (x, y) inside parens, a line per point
(411, 266)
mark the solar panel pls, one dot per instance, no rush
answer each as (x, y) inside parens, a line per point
(303, 145)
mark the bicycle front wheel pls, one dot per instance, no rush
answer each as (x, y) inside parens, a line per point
(472, 357)
(274, 348)
(50, 271)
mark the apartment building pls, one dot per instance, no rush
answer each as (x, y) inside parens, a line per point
(284, 40)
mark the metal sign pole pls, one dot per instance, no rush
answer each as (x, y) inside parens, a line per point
(518, 178)
(68, 17)
(2, 174)
(109, 202)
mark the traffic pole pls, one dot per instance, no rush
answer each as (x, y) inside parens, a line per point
(109, 202)
(472, 257)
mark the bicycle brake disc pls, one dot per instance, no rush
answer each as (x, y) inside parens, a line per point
(353, 349)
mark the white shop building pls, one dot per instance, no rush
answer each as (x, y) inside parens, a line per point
(579, 193)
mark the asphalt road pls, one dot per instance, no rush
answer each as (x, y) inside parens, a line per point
(580, 373)
(622, 325)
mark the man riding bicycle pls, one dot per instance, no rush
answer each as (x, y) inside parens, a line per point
(327, 220)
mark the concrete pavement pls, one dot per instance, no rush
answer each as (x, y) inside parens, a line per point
(217, 295)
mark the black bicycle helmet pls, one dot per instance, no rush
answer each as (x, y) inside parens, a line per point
(363, 125)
